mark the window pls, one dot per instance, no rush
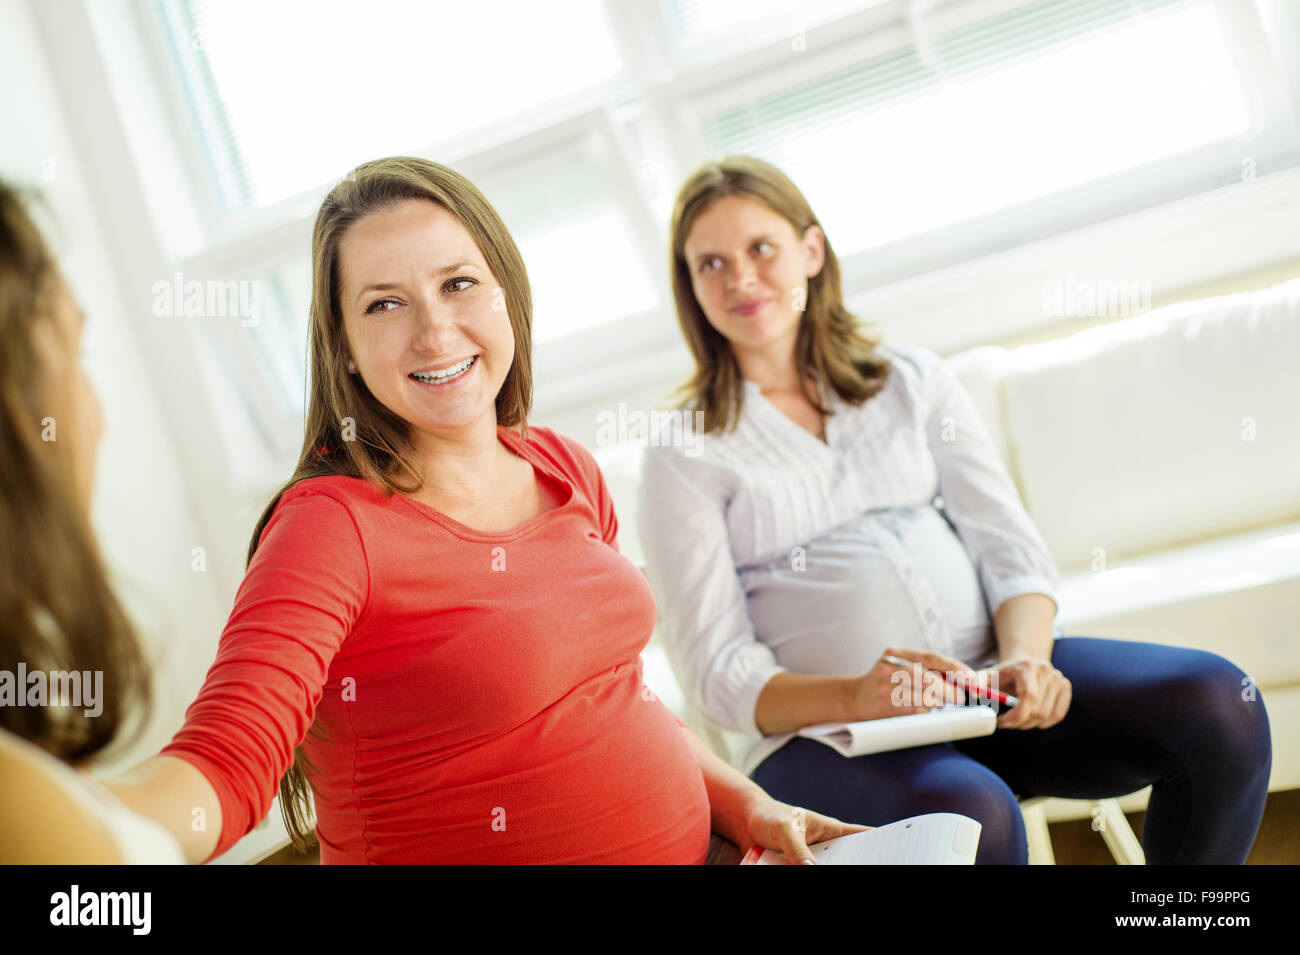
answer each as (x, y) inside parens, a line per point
(579, 246)
(925, 134)
(712, 29)
(288, 95)
(1009, 110)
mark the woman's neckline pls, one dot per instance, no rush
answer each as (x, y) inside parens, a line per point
(516, 445)
(828, 397)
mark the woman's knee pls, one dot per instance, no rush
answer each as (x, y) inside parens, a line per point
(991, 804)
(1226, 714)
(1220, 708)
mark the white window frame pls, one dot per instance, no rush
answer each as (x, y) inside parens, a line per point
(972, 282)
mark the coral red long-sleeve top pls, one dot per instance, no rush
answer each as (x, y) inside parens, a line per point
(476, 697)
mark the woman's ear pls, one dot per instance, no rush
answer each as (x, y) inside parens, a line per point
(814, 245)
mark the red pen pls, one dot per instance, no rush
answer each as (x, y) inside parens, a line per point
(1004, 698)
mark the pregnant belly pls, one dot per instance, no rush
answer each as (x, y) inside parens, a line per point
(899, 577)
(604, 776)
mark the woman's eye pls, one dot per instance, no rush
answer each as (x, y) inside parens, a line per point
(708, 265)
(763, 248)
(451, 286)
(374, 306)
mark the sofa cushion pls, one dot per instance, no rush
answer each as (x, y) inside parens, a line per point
(1234, 596)
(1166, 428)
(980, 371)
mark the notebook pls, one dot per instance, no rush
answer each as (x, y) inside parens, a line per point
(934, 838)
(940, 725)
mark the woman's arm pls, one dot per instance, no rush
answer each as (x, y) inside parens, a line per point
(980, 498)
(305, 588)
(1025, 638)
(1016, 568)
(730, 791)
(1023, 626)
(791, 700)
(178, 797)
(704, 624)
(743, 813)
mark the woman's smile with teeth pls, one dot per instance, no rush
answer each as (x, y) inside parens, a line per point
(444, 375)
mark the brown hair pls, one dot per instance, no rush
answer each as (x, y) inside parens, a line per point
(57, 608)
(829, 345)
(383, 452)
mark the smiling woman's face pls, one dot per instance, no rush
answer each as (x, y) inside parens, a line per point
(750, 270)
(418, 300)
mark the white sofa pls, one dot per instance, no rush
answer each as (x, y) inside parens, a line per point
(1160, 457)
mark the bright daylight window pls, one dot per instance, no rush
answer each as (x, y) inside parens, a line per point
(727, 25)
(351, 81)
(1014, 109)
(989, 106)
(582, 259)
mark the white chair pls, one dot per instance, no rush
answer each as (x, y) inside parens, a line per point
(1107, 818)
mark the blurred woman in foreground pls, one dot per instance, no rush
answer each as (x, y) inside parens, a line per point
(59, 617)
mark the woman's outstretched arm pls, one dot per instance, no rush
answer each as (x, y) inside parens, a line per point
(178, 797)
(304, 589)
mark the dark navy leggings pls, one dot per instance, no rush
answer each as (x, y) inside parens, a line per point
(1186, 722)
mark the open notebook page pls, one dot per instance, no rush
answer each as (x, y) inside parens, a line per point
(935, 838)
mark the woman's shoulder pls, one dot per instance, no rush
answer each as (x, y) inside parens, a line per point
(914, 369)
(330, 499)
(339, 487)
(324, 509)
(540, 436)
(568, 455)
(913, 359)
(46, 817)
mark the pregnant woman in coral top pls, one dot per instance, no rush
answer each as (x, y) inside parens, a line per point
(436, 631)
(845, 503)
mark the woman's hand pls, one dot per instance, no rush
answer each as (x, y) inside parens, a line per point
(887, 690)
(1043, 690)
(789, 829)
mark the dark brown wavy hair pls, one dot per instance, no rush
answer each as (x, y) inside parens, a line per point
(383, 451)
(829, 346)
(57, 609)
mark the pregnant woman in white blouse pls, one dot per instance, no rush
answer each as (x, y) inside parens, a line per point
(845, 503)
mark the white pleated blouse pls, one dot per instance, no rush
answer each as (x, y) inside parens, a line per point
(770, 550)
